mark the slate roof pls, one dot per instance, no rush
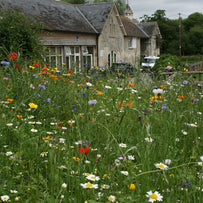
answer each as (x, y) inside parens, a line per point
(132, 29)
(51, 14)
(148, 27)
(96, 14)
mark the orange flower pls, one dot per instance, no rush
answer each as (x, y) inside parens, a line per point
(19, 116)
(181, 97)
(46, 138)
(10, 100)
(162, 86)
(81, 115)
(130, 104)
(120, 105)
(99, 92)
(132, 84)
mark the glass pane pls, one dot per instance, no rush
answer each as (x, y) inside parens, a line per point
(84, 61)
(89, 61)
(59, 60)
(67, 62)
(72, 50)
(90, 50)
(77, 61)
(53, 61)
(72, 61)
(58, 50)
(52, 50)
(76, 49)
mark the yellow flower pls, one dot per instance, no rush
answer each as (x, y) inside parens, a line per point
(33, 106)
(132, 186)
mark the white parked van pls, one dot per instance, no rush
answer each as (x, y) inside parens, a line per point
(149, 62)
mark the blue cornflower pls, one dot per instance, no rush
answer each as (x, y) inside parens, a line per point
(5, 63)
(94, 101)
(140, 79)
(35, 75)
(42, 87)
(185, 82)
(47, 100)
(37, 95)
(84, 94)
(164, 107)
(74, 108)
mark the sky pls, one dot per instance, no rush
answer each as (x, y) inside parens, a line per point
(171, 7)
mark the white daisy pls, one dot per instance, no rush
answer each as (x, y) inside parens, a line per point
(9, 153)
(124, 173)
(148, 139)
(89, 185)
(105, 186)
(131, 157)
(154, 196)
(122, 145)
(161, 166)
(34, 130)
(5, 198)
(92, 177)
(9, 124)
(112, 198)
(107, 87)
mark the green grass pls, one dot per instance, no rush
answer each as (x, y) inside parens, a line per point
(127, 113)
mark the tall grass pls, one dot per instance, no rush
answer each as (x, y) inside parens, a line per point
(129, 128)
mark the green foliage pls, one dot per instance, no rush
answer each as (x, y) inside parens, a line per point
(167, 60)
(19, 35)
(36, 163)
(191, 33)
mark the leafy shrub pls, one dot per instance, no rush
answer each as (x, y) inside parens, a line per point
(19, 35)
(167, 60)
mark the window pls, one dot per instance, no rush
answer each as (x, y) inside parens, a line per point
(112, 58)
(54, 56)
(78, 57)
(132, 42)
(112, 27)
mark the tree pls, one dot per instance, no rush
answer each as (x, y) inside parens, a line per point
(19, 35)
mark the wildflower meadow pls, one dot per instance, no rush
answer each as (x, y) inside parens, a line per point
(68, 137)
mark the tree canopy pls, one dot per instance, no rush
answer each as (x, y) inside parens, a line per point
(189, 31)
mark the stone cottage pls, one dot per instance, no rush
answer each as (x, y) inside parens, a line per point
(87, 34)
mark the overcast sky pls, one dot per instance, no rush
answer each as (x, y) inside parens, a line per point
(171, 7)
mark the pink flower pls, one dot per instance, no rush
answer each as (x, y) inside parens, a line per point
(5, 78)
(32, 86)
(168, 68)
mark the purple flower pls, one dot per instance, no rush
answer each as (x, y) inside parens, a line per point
(35, 75)
(185, 82)
(47, 100)
(164, 107)
(37, 95)
(140, 79)
(151, 74)
(91, 102)
(5, 63)
(42, 87)
(84, 94)
(74, 108)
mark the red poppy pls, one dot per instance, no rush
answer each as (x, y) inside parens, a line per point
(83, 150)
(12, 55)
(45, 68)
(59, 125)
(70, 71)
